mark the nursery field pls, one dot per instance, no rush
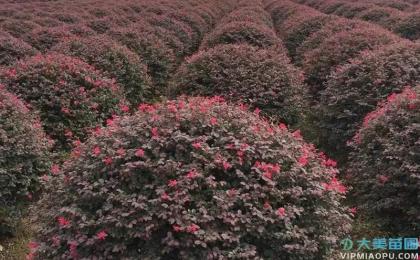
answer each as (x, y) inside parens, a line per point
(209, 129)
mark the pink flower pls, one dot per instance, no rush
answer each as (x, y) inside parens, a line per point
(226, 165)
(96, 151)
(297, 134)
(68, 133)
(155, 133)
(330, 163)
(172, 183)
(177, 228)
(281, 212)
(196, 145)
(139, 152)
(124, 108)
(267, 205)
(353, 210)
(257, 111)
(193, 228)
(303, 160)
(101, 235)
(164, 196)
(121, 152)
(62, 221)
(146, 108)
(55, 169)
(383, 179)
(65, 110)
(33, 245)
(282, 126)
(107, 160)
(192, 174)
(213, 121)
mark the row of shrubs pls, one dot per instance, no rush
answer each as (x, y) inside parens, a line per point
(83, 82)
(195, 177)
(243, 60)
(352, 67)
(402, 22)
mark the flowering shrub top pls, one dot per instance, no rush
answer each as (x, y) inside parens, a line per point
(44, 38)
(12, 49)
(409, 26)
(71, 96)
(243, 33)
(158, 57)
(339, 48)
(193, 179)
(242, 73)
(23, 157)
(114, 59)
(385, 169)
(354, 89)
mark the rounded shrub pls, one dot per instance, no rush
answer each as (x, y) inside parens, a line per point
(355, 89)
(409, 27)
(254, 14)
(71, 96)
(12, 49)
(18, 28)
(338, 49)
(242, 73)
(23, 158)
(116, 60)
(193, 179)
(158, 57)
(243, 33)
(333, 26)
(385, 169)
(301, 29)
(44, 39)
(386, 17)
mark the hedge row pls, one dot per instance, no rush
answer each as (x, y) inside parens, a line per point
(245, 61)
(403, 22)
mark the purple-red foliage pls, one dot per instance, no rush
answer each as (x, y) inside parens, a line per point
(385, 168)
(250, 33)
(23, 158)
(44, 39)
(338, 49)
(12, 49)
(242, 73)
(71, 96)
(116, 60)
(159, 58)
(193, 179)
(355, 88)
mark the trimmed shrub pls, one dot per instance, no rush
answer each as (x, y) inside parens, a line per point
(385, 169)
(44, 39)
(23, 157)
(12, 49)
(409, 27)
(193, 179)
(386, 17)
(18, 28)
(116, 60)
(179, 29)
(354, 89)
(158, 57)
(250, 14)
(338, 49)
(296, 35)
(333, 26)
(243, 33)
(242, 73)
(71, 96)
